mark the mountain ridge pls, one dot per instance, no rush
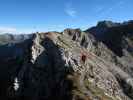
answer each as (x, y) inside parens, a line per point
(68, 65)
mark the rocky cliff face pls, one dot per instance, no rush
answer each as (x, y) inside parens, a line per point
(105, 31)
(71, 65)
(118, 38)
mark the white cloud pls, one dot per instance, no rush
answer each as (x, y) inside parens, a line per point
(7, 30)
(70, 10)
(15, 30)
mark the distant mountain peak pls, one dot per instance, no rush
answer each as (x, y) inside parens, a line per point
(107, 23)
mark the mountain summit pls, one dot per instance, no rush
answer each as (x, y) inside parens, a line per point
(96, 64)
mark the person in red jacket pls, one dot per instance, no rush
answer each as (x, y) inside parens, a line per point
(83, 57)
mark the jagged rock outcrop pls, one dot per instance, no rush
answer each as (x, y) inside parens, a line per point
(71, 65)
(118, 38)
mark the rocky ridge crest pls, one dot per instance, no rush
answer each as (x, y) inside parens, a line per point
(71, 65)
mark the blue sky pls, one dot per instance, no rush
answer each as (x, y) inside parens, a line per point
(49, 15)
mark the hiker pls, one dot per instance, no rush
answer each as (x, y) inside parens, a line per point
(83, 58)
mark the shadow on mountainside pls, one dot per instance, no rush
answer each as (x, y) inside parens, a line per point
(46, 79)
(126, 87)
(50, 73)
(12, 57)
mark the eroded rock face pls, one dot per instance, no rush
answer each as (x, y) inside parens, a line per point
(118, 38)
(71, 65)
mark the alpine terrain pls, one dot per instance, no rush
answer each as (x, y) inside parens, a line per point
(95, 64)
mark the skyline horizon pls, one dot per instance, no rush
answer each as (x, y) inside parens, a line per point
(26, 16)
(34, 30)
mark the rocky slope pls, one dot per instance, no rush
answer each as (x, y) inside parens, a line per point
(71, 65)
